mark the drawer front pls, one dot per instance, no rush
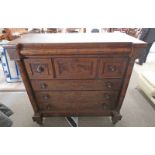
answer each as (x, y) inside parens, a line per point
(112, 67)
(39, 68)
(109, 84)
(76, 100)
(75, 68)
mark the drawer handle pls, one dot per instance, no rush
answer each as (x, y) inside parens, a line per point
(40, 69)
(46, 97)
(107, 96)
(48, 107)
(43, 85)
(112, 68)
(106, 106)
(109, 84)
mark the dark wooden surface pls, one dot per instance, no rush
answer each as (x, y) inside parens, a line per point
(76, 74)
(75, 38)
(39, 68)
(76, 100)
(104, 84)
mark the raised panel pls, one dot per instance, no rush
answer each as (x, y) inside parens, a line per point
(75, 68)
(39, 68)
(112, 67)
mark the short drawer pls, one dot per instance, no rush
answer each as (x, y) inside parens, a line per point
(76, 100)
(39, 68)
(112, 67)
(109, 84)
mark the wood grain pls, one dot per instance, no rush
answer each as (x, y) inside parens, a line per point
(76, 74)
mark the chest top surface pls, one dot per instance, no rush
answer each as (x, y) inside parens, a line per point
(76, 38)
(66, 43)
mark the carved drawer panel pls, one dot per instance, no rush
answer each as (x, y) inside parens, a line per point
(76, 100)
(75, 68)
(39, 68)
(106, 84)
(112, 67)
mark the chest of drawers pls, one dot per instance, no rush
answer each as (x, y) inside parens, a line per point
(76, 74)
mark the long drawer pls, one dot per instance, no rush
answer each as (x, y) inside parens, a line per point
(106, 84)
(76, 100)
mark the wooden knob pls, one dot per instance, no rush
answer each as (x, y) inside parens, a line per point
(43, 85)
(112, 68)
(109, 84)
(46, 97)
(107, 96)
(48, 107)
(40, 69)
(105, 106)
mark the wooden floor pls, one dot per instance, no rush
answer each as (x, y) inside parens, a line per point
(9, 87)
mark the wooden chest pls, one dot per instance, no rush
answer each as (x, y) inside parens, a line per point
(76, 74)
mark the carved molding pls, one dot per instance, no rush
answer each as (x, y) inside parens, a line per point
(74, 67)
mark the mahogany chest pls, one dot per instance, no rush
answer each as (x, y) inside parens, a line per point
(76, 74)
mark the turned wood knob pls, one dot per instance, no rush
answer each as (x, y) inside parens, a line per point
(105, 106)
(107, 96)
(109, 84)
(40, 69)
(46, 97)
(112, 68)
(43, 85)
(48, 107)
